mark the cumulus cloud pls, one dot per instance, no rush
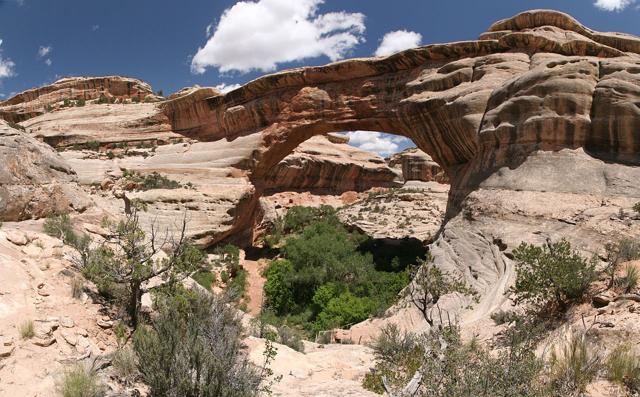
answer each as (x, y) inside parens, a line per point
(209, 30)
(48, 62)
(262, 34)
(371, 141)
(6, 66)
(224, 88)
(43, 51)
(398, 40)
(613, 5)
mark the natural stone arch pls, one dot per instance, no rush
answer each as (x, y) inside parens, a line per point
(537, 81)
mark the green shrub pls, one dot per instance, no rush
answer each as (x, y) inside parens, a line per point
(623, 367)
(551, 275)
(80, 102)
(26, 330)
(78, 381)
(344, 310)
(573, 367)
(93, 145)
(277, 288)
(193, 347)
(205, 278)
(58, 226)
(290, 337)
(449, 367)
(636, 207)
(150, 181)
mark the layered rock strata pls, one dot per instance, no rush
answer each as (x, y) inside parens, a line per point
(37, 101)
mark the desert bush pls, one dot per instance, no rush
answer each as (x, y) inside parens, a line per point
(446, 366)
(551, 275)
(205, 278)
(80, 102)
(636, 207)
(290, 337)
(122, 264)
(26, 330)
(623, 367)
(629, 281)
(573, 367)
(78, 381)
(77, 287)
(150, 181)
(125, 365)
(429, 284)
(59, 226)
(193, 347)
(628, 250)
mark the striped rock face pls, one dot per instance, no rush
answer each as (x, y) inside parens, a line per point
(537, 81)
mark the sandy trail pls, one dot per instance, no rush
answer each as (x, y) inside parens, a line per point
(255, 284)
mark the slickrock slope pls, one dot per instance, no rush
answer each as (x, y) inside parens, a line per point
(535, 124)
(106, 124)
(34, 179)
(414, 211)
(37, 101)
(319, 164)
(416, 165)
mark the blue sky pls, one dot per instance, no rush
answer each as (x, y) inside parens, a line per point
(157, 40)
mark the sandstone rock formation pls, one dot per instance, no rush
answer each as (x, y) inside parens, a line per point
(37, 101)
(416, 165)
(540, 115)
(319, 164)
(34, 179)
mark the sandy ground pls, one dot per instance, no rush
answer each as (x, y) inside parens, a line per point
(255, 284)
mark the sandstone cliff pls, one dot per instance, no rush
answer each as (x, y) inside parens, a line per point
(416, 165)
(319, 164)
(37, 101)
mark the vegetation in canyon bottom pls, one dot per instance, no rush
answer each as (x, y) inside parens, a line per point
(329, 277)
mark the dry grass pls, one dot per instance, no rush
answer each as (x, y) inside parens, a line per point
(574, 366)
(26, 330)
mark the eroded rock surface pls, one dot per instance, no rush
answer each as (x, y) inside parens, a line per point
(34, 179)
(415, 165)
(320, 164)
(37, 101)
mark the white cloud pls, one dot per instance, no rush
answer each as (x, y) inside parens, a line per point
(260, 35)
(398, 40)
(209, 30)
(371, 141)
(6, 66)
(95, 27)
(48, 62)
(44, 51)
(224, 88)
(613, 5)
